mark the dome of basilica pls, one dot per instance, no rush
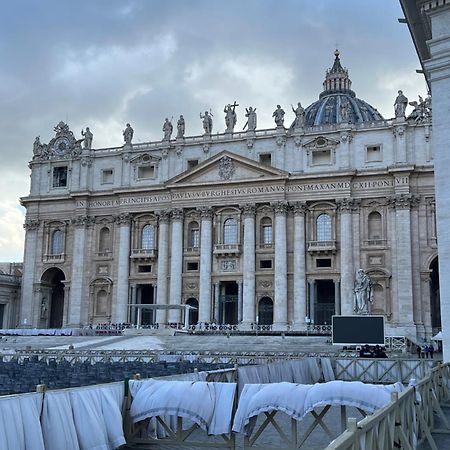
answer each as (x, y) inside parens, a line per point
(338, 103)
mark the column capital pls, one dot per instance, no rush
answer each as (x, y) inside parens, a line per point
(299, 208)
(347, 205)
(205, 212)
(82, 221)
(177, 214)
(31, 224)
(403, 201)
(248, 210)
(163, 216)
(280, 208)
(123, 219)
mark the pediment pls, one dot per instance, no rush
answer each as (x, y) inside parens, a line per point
(320, 143)
(227, 167)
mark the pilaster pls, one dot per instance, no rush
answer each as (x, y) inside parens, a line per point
(205, 298)
(163, 258)
(249, 284)
(176, 265)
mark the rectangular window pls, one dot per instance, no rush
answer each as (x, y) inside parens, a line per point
(144, 269)
(195, 238)
(321, 157)
(60, 176)
(267, 234)
(373, 153)
(265, 159)
(323, 262)
(146, 172)
(192, 163)
(192, 266)
(107, 176)
(265, 264)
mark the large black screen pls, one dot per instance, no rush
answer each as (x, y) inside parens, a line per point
(358, 330)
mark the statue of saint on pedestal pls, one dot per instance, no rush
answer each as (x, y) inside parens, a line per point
(180, 127)
(128, 134)
(299, 116)
(362, 292)
(207, 122)
(230, 117)
(88, 136)
(251, 119)
(278, 116)
(401, 102)
(167, 128)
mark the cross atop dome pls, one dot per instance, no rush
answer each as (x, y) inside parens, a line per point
(337, 80)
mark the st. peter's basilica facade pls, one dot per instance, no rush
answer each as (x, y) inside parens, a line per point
(256, 227)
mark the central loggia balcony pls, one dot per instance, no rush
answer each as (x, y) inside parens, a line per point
(325, 247)
(144, 253)
(227, 249)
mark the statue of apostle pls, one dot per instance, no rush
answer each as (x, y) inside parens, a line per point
(88, 136)
(207, 122)
(180, 127)
(401, 102)
(167, 128)
(230, 117)
(363, 292)
(278, 116)
(299, 116)
(128, 134)
(251, 119)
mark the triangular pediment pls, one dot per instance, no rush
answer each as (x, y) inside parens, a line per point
(227, 167)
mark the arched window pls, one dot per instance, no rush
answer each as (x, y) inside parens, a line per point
(101, 304)
(148, 237)
(104, 244)
(193, 313)
(57, 243)
(375, 230)
(323, 228)
(194, 235)
(266, 231)
(230, 231)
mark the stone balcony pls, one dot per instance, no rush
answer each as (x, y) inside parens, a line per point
(322, 247)
(227, 249)
(144, 253)
(59, 258)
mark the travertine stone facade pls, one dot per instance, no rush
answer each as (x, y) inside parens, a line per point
(259, 227)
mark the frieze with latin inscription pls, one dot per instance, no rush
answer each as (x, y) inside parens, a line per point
(248, 190)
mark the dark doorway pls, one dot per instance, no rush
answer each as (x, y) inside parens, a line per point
(145, 297)
(265, 311)
(193, 313)
(54, 278)
(324, 307)
(228, 303)
(2, 312)
(435, 304)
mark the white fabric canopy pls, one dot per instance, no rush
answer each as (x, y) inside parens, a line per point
(209, 405)
(437, 337)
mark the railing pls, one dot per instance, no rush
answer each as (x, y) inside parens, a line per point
(406, 422)
(322, 246)
(54, 258)
(227, 248)
(376, 242)
(104, 254)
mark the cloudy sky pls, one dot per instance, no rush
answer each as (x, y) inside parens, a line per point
(102, 63)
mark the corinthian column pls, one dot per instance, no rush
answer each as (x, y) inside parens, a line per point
(176, 265)
(123, 265)
(402, 204)
(205, 264)
(280, 306)
(248, 307)
(78, 290)
(29, 264)
(346, 249)
(299, 266)
(163, 260)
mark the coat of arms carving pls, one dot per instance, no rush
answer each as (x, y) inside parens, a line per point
(226, 168)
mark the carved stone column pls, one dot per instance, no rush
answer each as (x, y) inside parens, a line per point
(299, 266)
(163, 261)
(29, 263)
(123, 267)
(205, 265)
(249, 286)
(176, 265)
(78, 290)
(216, 302)
(280, 303)
(346, 249)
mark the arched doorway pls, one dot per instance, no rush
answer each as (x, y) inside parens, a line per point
(53, 279)
(435, 305)
(193, 313)
(265, 311)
